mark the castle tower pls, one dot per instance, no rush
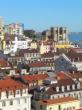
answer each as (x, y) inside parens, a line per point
(59, 34)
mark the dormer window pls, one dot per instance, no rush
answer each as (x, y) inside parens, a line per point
(41, 107)
(78, 86)
(68, 87)
(76, 59)
(3, 93)
(24, 91)
(73, 87)
(62, 88)
(62, 60)
(11, 92)
(57, 89)
(17, 91)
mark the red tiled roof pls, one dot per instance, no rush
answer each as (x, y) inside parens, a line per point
(4, 63)
(75, 75)
(57, 101)
(36, 77)
(37, 64)
(10, 84)
(65, 82)
(50, 54)
(61, 75)
(60, 83)
(29, 50)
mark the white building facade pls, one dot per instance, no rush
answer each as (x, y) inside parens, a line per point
(17, 43)
(15, 97)
(14, 28)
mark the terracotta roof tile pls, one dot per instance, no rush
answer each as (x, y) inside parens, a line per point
(62, 75)
(4, 63)
(37, 64)
(36, 77)
(57, 101)
(10, 84)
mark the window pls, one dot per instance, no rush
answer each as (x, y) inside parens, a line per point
(11, 92)
(18, 101)
(53, 97)
(17, 91)
(70, 108)
(60, 37)
(3, 103)
(73, 108)
(80, 94)
(11, 102)
(59, 107)
(50, 108)
(76, 59)
(24, 90)
(25, 100)
(64, 95)
(40, 106)
(64, 109)
(67, 108)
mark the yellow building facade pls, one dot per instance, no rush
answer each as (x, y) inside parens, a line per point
(66, 103)
(42, 49)
(34, 45)
(59, 46)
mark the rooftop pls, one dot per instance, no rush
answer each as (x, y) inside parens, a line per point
(4, 63)
(7, 84)
(35, 77)
(37, 64)
(57, 101)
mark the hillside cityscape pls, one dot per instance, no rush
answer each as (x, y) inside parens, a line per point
(40, 55)
(39, 70)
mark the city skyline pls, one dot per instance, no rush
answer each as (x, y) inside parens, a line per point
(41, 15)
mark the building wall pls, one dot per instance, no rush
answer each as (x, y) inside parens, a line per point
(34, 45)
(59, 46)
(17, 102)
(34, 69)
(61, 106)
(14, 28)
(44, 48)
(78, 65)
